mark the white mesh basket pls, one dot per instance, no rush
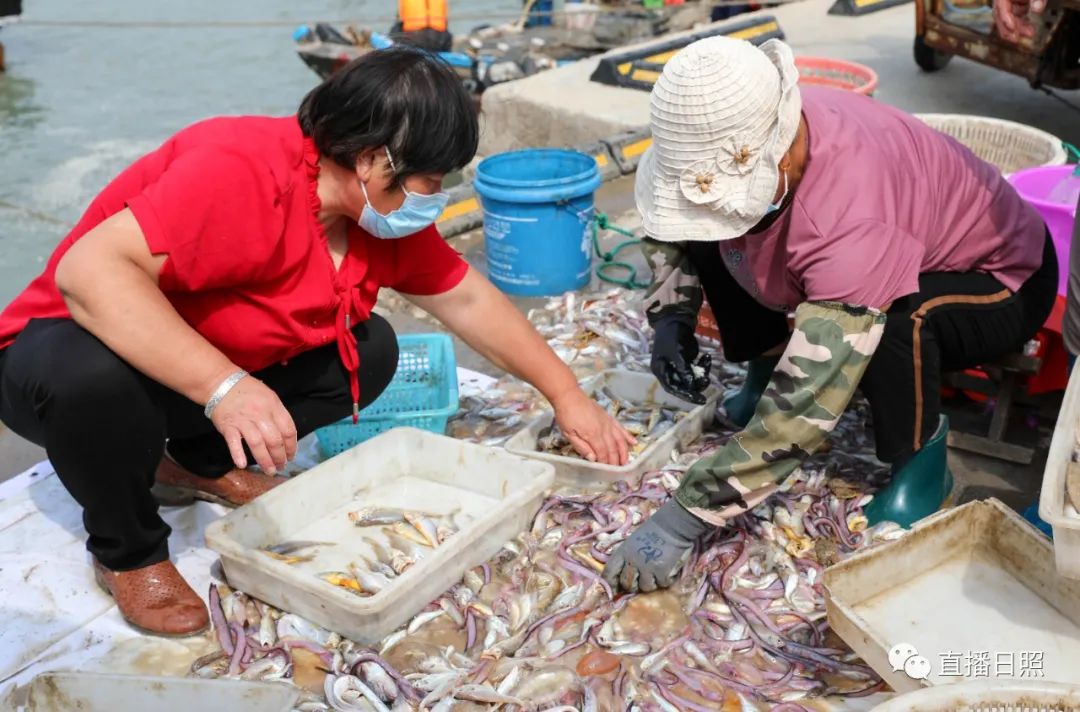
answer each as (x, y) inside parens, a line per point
(1006, 144)
(989, 696)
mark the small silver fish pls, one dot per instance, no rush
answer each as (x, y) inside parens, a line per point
(424, 618)
(375, 516)
(425, 527)
(401, 563)
(371, 582)
(401, 530)
(290, 547)
(487, 695)
(378, 567)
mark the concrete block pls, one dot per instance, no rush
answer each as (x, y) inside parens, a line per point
(463, 212)
(608, 167)
(563, 107)
(628, 147)
(560, 107)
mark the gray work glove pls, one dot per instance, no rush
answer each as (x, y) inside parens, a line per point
(655, 552)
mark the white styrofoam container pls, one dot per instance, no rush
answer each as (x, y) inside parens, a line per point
(404, 468)
(96, 692)
(988, 696)
(974, 578)
(635, 388)
(1052, 502)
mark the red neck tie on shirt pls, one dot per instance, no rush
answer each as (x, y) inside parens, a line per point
(346, 342)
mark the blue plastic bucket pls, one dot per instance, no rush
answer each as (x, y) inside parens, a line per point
(538, 204)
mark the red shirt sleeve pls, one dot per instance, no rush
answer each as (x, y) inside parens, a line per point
(216, 214)
(424, 264)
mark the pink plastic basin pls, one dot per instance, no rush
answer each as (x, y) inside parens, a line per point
(836, 74)
(1035, 186)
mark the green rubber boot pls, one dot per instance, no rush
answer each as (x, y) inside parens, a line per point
(741, 405)
(919, 488)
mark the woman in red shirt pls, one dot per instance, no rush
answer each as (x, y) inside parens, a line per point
(252, 245)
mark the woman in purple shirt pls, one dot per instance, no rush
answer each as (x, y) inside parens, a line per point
(900, 253)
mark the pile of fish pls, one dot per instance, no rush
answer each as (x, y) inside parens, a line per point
(493, 416)
(590, 333)
(537, 628)
(404, 538)
(645, 421)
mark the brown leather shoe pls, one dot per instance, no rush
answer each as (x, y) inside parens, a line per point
(155, 599)
(175, 486)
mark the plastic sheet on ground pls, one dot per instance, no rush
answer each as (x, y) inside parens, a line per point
(55, 615)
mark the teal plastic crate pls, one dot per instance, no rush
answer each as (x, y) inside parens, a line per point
(423, 394)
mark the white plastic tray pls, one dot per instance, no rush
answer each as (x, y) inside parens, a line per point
(975, 578)
(1053, 507)
(405, 468)
(93, 692)
(989, 696)
(635, 388)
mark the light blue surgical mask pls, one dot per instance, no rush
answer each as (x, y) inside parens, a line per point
(416, 213)
(773, 207)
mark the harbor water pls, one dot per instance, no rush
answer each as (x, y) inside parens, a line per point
(92, 86)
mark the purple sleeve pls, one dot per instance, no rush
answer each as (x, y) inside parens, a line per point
(867, 263)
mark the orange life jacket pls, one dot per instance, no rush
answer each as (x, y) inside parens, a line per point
(422, 15)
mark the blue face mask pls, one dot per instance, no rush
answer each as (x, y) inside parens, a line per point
(416, 213)
(773, 207)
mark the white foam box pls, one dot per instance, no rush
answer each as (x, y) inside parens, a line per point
(966, 580)
(93, 692)
(988, 695)
(493, 495)
(1054, 507)
(633, 387)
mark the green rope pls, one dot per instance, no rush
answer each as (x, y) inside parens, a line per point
(601, 222)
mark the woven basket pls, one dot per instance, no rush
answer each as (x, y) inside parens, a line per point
(991, 695)
(1006, 144)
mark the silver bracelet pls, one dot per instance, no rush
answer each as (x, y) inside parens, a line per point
(222, 391)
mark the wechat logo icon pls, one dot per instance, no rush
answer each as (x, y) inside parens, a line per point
(904, 656)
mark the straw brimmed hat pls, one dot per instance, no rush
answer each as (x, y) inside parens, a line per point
(723, 113)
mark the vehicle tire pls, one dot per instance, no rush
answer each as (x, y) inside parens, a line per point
(928, 58)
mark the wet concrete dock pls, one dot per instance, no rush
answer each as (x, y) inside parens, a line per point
(564, 108)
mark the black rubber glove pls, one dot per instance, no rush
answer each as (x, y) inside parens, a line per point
(655, 552)
(675, 352)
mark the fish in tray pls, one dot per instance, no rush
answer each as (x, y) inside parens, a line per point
(645, 421)
(537, 628)
(403, 538)
(287, 551)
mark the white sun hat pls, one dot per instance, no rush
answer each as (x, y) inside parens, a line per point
(723, 113)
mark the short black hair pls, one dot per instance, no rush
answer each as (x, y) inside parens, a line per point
(403, 98)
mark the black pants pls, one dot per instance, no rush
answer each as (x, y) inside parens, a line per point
(104, 424)
(956, 320)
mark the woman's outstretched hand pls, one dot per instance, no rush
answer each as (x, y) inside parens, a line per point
(591, 430)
